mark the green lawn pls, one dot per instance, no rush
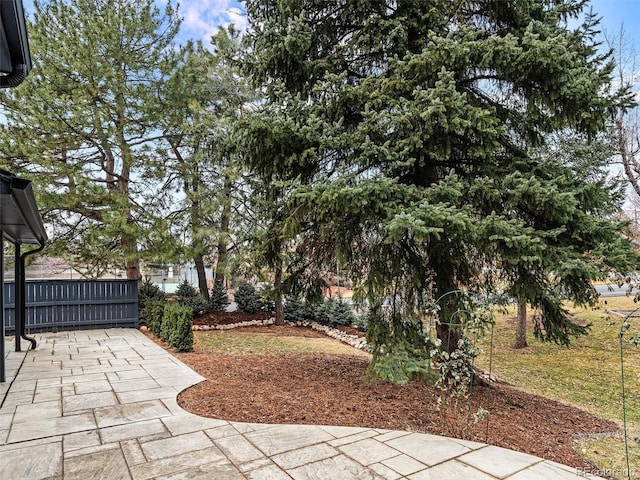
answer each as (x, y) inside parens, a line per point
(586, 374)
(237, 342)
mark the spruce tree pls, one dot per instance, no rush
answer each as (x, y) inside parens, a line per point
(218, 298)
(410, 131)
(188, 296)
(342, 314)
(248, 299)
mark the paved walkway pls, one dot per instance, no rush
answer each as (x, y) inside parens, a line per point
(101, 404)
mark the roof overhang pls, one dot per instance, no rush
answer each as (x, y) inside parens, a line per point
(15, 57)
(20, 220)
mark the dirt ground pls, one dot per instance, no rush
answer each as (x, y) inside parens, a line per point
(334, 390)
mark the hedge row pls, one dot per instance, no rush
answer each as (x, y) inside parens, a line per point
(171, 323)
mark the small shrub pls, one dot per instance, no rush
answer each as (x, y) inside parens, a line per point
(321, 311)
(181, 335)
(148, 292)
(168, 320)
(329, 311)
(188, 296)
(361, 323)
(218, 298)
(341, 314)
(154, 311)
(295, 310)
(248, 299)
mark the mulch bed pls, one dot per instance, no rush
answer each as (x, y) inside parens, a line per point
(228, 318)
(334, 390)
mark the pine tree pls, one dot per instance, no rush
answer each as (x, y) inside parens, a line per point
(202, 101)
(409, 132)
(83, 125)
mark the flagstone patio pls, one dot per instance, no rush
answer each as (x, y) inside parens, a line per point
(101, 404)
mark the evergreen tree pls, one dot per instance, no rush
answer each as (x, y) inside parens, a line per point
(408, 130)
(188, 296)
(148, 292)
(294, 310)
(570, 201)
(248, 299)
(84, 123)
(203, 99)
(218, 298)
(342, 314)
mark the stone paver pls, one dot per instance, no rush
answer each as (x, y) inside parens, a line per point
(32, 462)
(102, 404)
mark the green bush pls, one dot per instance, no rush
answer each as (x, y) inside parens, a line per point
(168, 320)
(295, 310)
(218, 298)
(321, 311)
(188, 296)
(341, 314)
(154, 311)
(176, 328)
(248, 299)
(329, 311)
(181, 335)
(148, 292)
(361, 322)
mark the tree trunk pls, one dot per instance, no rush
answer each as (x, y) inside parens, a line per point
(450, 337)
(202, 276)
(277, 287)
(521, 325)
(223, 235)
(447, 329)
(131, 260)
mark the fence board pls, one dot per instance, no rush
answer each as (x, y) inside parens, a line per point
(53, 305)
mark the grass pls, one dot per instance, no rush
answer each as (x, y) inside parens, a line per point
(586, 374)
(236, 342)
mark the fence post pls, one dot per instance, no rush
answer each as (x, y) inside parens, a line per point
(18, 319)
(2, 369)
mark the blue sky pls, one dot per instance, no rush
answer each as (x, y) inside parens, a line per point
(202, 17)
(616, 13)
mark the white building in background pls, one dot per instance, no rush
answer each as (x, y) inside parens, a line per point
(167, 277)
(47, 268)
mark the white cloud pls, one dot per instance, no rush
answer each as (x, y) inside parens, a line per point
(202, 18)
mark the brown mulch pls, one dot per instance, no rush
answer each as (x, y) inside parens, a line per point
(334, 390)
(227, 318)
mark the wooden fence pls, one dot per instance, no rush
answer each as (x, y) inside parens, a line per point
(53, 305)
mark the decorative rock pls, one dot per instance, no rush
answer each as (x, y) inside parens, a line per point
(250, 323)
(353, 340)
